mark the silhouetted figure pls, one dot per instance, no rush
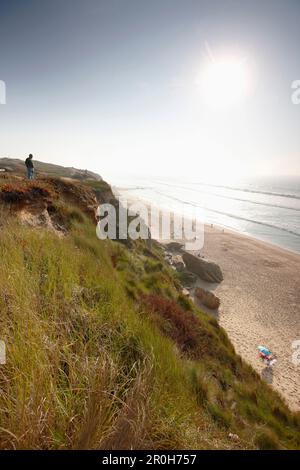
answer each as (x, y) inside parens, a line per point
(30, 167)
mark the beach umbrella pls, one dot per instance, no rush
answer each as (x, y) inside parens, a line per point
(264, 350)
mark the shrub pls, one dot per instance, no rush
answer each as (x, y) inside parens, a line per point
(184, 302)
(18, 192)
(151, 266)
(180, 325)
(65, 215)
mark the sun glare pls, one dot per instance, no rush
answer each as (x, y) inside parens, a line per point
(224, 83)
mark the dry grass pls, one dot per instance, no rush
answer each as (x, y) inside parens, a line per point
(91, 365)
(83, 370)
(132, 425)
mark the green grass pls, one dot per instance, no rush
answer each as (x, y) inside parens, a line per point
(89, 365)
(266, 440)
(80, 360)
(17, 166)
(98, 185)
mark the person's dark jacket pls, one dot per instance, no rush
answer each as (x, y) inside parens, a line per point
(29, 162)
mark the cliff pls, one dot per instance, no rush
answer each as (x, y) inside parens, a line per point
(103, 349)
(16, 166)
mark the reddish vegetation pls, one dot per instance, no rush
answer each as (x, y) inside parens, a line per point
(43, 192)
(180, 325)
(114, 260)
(22, 192)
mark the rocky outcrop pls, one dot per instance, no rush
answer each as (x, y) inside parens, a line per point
(188, 279)
(41, 218)
(206, 270)
(207, 298)
(177, 262)
(174, 246)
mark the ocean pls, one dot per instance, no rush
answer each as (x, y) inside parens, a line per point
(266, 208)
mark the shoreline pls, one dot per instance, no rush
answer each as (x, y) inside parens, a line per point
(260, 298)
(260, 301)
(252, 237)
(148, 203)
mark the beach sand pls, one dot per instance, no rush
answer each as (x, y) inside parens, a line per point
(260, 303)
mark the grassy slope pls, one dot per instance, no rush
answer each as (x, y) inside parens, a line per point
(17, 166)
(96, 357)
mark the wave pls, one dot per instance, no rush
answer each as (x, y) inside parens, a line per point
(133, 188)
(254, 191)
(278, 206)
(233, 216)
(245, 190)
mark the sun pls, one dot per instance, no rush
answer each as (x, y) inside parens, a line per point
(224, 83)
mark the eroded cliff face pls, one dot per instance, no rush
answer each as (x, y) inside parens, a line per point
(112, 329)
(48, 201)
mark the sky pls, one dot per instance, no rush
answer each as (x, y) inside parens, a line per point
(198, 88)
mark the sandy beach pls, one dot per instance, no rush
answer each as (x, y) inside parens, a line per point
(260, 303)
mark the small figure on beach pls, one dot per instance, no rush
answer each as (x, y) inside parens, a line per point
(30, 167)
(267, 356)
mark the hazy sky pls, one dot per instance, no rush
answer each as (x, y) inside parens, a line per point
(116, 85)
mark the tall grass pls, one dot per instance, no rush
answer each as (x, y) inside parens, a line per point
(90, 366)
(83, 370)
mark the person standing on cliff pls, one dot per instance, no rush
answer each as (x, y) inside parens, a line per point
(30, 167)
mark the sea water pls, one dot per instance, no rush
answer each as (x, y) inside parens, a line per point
(264, 208)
